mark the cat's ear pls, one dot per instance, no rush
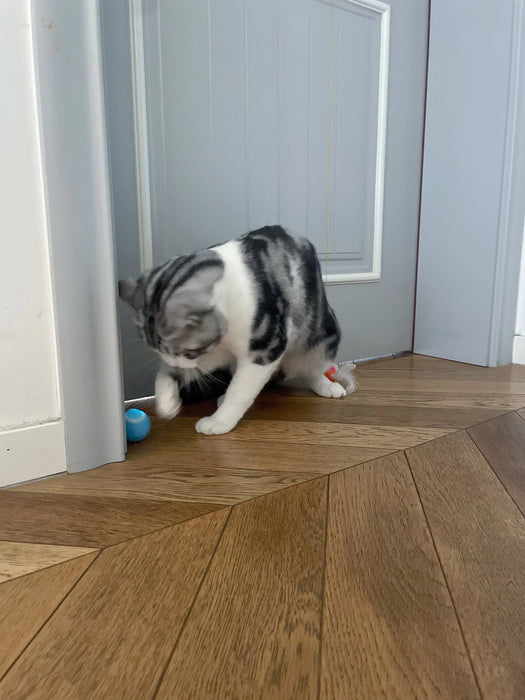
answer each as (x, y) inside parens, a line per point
(126, 290)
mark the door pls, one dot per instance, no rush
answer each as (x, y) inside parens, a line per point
(306, 113)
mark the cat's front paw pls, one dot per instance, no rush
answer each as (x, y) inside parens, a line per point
(168, 406)
(167, 399)
(213, 426)
(168, 410)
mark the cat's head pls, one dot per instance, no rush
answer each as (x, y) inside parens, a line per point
(174, 308)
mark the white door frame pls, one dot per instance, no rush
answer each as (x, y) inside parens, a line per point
(66, 38)
(68, 66)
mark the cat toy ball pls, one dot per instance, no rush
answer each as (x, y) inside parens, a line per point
(138, 425)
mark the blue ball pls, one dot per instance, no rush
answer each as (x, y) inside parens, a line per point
(138, 424)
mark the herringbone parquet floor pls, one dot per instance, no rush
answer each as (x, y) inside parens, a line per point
(362, 548)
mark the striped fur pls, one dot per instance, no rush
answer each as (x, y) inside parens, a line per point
(255, 306)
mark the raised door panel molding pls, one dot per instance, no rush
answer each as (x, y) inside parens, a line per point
(332, 130)
(279, 116)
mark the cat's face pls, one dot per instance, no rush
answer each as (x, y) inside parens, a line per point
(181, 329)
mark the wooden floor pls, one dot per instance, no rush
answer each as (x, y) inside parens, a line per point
(361, 548)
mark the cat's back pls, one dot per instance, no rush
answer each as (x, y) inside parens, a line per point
(273, 245)
(235, 270)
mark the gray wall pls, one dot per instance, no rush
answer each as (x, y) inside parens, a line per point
(473, 182)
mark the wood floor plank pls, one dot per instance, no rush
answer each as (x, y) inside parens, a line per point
(480, 536)
(412, 362)
(86, 521)
(170, 448)
(417, 363)
(162, 483)
(439, 385)
(449, 370)
(299, 433)
(497, 402)
(502, 442)
(319, 433)
(21, 558)
(199, 469)
(112, 636)
(283, 402)
(254, 629)
(478, 376)
(26, 603)
(356, 411)
(389, 628)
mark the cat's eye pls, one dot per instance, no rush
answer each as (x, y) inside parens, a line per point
(196, 352)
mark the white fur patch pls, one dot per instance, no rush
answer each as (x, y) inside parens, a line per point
(322, 386)
(345, 377)
(234, 297)
(179, 361)
(167, 398)
(211, 425)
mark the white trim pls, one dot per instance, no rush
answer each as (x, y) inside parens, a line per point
(518, 350)
(374, 274)
(505, 229)
(381, 141)
(49, 257)
(373, 5)
(352, 277)
(76, 173)
(140, 121)
(32, 452)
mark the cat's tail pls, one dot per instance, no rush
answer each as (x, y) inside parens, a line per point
(345, 377)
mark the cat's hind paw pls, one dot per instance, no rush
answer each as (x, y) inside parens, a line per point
(330, 390)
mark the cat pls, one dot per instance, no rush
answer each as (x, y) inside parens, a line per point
(254, 306)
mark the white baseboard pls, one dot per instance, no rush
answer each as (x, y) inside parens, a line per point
(518, 351)
(32, 452)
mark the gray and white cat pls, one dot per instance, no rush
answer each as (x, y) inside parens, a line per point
(255, 305)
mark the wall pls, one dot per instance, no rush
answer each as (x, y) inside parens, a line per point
(31, 434)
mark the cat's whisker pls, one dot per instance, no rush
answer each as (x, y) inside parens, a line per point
(209, 376)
